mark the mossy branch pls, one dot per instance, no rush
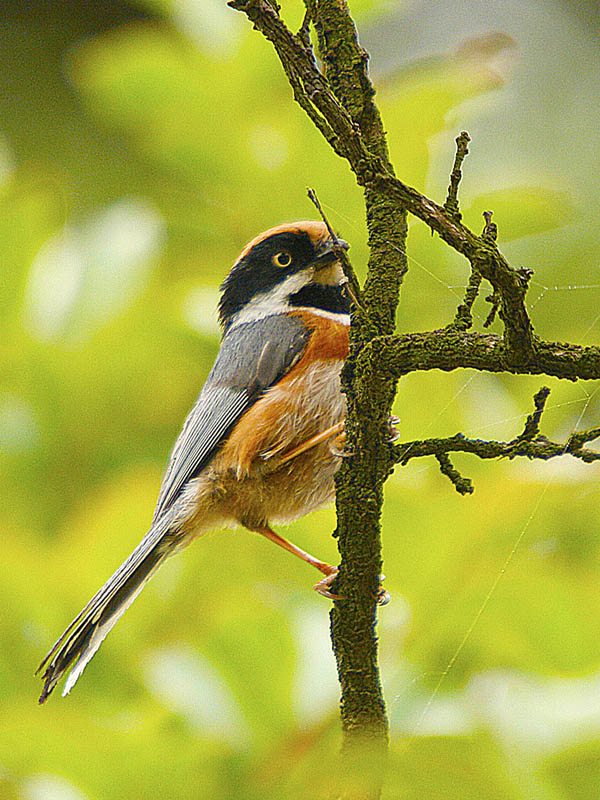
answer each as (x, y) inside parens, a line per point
(448, 349)
(530, 443)
(352, 135)
(462, 148)
(339, 100)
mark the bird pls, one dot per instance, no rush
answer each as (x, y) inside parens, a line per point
(264, 439)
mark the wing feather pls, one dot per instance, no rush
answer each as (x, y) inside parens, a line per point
(253, 356)
(215, 412)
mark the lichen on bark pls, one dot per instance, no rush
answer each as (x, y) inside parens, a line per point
(340, 101)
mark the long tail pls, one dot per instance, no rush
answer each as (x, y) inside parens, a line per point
(90, 627)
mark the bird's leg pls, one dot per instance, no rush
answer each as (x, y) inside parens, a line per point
(330, 572)
(335, 432)
(328, 433)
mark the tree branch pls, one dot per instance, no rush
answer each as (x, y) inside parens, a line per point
(353, 140)
(530, 443)
(449, 349)
(340, 103)
(485, 258)
(369, 399)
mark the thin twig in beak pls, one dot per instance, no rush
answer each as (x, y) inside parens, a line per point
(352, 284)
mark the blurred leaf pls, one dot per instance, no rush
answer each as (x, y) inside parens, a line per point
(470, 766)
(577, 770)
(86, 275)
(141, 146)
(521, 211)
(417, 98)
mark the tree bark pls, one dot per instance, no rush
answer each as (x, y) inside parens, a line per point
(339, 99)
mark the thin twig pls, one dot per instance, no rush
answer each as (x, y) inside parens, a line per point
(532, 426)
(461, 484)
(304, 31)
(490, 229)
(463, 319)
(494, 300)
(352, 286)
(530, 443)
(462, 148)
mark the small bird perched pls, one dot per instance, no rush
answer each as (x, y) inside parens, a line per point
(256, 448)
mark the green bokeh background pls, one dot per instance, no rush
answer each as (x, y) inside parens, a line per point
(141, 145)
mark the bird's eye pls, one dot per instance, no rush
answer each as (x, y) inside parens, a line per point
(282, 259)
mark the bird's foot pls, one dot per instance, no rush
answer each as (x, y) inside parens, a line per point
(383, 596)
(393, 431)
(322, 588)
(337, 445)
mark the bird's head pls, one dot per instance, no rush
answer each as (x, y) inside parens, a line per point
(290, 266)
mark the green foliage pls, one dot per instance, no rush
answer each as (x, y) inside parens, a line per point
(137, 156)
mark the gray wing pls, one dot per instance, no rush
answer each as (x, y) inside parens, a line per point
(253, 356)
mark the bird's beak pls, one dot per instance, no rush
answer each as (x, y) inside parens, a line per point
(328, 252)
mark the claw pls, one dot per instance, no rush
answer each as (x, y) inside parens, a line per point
(383, 597)
(394, 434)
(322, 587)
(336, 446)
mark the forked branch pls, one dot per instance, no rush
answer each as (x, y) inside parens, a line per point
(530, 443)
(339, 100)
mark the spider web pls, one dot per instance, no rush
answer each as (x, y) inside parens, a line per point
(543, 292)
(531, 513)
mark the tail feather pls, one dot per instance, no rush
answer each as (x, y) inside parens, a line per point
(87, 631)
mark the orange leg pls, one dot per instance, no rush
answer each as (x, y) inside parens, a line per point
(329, 433)
(335, 432)
(330, 572)
(322, 586)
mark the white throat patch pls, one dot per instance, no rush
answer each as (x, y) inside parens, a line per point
(276, 300)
